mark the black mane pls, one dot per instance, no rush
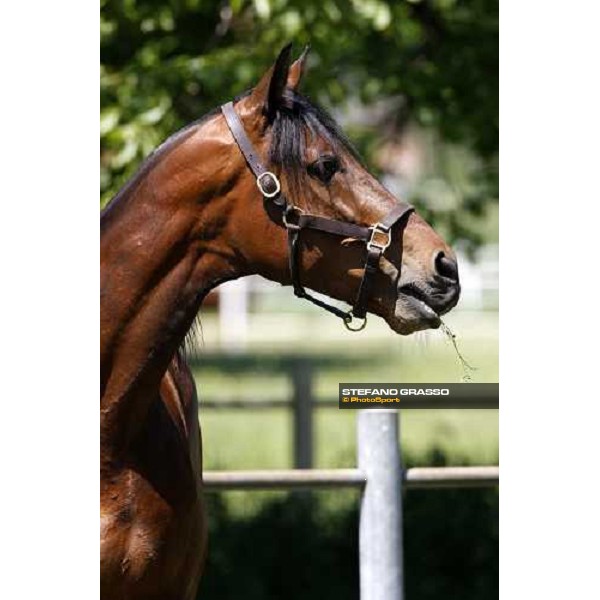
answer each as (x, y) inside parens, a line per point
(295, 122)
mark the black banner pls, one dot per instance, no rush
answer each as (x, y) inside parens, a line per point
(418, 395)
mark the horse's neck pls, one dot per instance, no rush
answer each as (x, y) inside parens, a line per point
(156, 266)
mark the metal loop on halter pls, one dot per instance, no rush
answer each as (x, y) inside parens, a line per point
(379, 229)
(260, 185)
(349, 318)
(289, 211)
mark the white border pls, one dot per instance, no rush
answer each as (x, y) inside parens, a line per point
(49, 247)
(549, 232)
(49, 102)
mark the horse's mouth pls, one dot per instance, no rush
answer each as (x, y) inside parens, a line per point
(412, 311)
(418, 299)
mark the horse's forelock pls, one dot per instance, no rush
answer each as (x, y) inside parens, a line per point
(297, 120)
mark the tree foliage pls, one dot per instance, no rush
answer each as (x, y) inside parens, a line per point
(166, 63)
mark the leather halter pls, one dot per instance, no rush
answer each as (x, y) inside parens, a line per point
(377, 237)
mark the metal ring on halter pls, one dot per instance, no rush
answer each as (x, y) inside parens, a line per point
(262, 189)
(379, 229)
(349, 318)
(291, 210)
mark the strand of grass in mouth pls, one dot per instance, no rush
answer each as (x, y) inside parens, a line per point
(466, 367)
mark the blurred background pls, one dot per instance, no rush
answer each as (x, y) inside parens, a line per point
(415, 86)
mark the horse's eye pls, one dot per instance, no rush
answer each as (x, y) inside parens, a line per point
(324, 168)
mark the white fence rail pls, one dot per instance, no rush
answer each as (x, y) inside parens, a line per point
(285, 479)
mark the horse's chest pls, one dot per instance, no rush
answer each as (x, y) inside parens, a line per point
(153, 523)
(150, 548)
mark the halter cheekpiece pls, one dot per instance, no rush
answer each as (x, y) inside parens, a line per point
(377, 237)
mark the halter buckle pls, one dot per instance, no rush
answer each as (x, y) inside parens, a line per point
(264, 192)
(379, 230)
(287, 213)
(349, 318)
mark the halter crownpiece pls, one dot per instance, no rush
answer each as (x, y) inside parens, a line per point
(377, 237)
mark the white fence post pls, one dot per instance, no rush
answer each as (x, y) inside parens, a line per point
(380, 528)
(233, 315)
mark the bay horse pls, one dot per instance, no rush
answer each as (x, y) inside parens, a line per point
(267, 185)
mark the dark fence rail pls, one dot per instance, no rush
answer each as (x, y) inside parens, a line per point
(301, 370)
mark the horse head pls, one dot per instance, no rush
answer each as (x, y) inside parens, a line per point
(416, 278)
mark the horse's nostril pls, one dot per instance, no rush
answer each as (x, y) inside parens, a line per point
(446, 266)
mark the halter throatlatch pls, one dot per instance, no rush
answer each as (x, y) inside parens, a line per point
(377, 237)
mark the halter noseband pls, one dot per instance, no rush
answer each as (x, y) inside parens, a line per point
(376, 237)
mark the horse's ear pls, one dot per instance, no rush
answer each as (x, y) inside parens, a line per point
(269, 91)
(297, 69)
